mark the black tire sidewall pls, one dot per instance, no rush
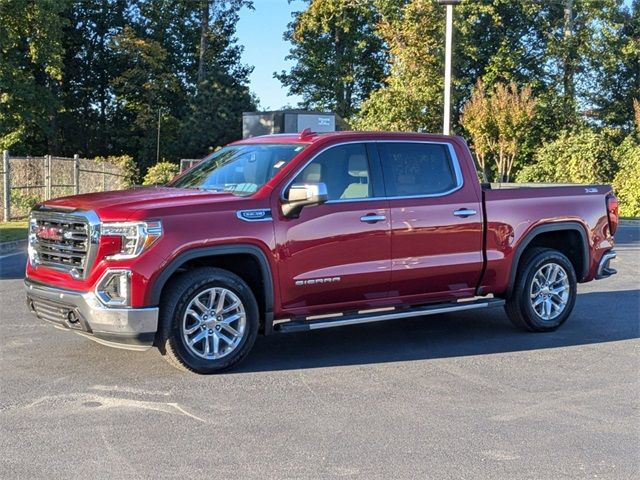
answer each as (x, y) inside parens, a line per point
(533, 265)
(241, 289)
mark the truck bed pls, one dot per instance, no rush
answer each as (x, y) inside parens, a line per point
(513, 210)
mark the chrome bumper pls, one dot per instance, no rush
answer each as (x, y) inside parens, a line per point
(128, 328)
(604, 270)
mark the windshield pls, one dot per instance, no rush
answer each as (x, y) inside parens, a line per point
(239, 169)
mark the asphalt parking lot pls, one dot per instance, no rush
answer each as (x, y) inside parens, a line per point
(450, 396)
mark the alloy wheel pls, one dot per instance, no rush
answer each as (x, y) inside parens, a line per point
(549, 291)
(214, 323)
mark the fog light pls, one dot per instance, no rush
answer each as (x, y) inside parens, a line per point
(114, 288)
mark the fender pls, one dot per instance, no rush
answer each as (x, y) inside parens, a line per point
(247, 249)
(552, 227)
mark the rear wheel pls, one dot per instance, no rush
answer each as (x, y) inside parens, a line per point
(545, 291)
(212, 318)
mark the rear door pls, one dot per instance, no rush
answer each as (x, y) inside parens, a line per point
(338, 253)
(436, 224)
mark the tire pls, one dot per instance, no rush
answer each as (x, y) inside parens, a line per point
(538, 303)
(191, 309)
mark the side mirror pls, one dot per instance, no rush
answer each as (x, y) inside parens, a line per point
(301, 196)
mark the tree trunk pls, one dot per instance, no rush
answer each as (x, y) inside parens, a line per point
(204, 38)
(501, 169)
(486, 172)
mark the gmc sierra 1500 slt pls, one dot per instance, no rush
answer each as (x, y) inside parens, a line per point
(300, 232)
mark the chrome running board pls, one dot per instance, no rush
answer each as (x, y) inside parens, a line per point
(341, 321)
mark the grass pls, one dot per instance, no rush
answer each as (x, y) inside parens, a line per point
(16, 230)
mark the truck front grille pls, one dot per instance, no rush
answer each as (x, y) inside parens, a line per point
(64, 241)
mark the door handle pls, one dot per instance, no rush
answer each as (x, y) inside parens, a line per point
(372, 218)
(464, 212)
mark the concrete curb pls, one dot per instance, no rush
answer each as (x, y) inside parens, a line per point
(13, 246)
(635, 221)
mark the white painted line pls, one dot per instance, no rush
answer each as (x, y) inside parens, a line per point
(12, 254)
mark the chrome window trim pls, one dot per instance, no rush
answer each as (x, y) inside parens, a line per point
(454, 160)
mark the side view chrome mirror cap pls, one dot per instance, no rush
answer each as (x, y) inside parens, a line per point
(303, 195)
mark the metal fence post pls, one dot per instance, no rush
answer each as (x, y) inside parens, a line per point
(47, 177)
(76, 174)
(6, 181)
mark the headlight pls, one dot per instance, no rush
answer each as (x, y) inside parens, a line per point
(134, 237)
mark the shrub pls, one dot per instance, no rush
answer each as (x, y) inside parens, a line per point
(575, 157)
(626, 183)
(127, 167)
(160, 173)
(22, 203)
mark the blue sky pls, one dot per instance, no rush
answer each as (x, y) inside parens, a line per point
(260, 32)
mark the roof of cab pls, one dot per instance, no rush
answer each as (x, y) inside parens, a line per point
(306, 137)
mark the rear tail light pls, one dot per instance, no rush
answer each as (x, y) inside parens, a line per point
(612, 213)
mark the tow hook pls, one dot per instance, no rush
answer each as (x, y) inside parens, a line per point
(72, 318)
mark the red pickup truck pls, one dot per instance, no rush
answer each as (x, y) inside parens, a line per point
(300, 232)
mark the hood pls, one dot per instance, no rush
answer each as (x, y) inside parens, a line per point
(122, 204)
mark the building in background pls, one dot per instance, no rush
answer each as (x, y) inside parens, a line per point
(288, 121)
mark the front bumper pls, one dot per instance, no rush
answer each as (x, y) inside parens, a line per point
(128, 328)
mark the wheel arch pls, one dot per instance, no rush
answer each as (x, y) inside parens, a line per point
(549, 235)
(264, 292)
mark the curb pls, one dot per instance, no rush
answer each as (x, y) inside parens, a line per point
(13, 246)
(630, 222)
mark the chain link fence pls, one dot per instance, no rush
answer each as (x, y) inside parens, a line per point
(29, 180)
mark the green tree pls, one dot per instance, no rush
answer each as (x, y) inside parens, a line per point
(550, 46)
(88, 123)
(626, 183)
(143, 91)
(221, 84)
(411, 99)
(495, 41)
(339, 57)
(584, 156)
(478, 122)
(31, 57)
(160, 173)
(616, 69)
(498, 123)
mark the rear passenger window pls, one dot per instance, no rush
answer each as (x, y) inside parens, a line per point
(412, 169)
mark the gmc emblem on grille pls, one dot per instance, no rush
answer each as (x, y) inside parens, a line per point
(49, 233)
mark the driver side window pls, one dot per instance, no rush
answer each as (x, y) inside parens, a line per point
(344, 169)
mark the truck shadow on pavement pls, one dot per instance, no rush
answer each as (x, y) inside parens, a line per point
(598, 317)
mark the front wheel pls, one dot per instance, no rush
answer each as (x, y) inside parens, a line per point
(213, 320)
(545, 291)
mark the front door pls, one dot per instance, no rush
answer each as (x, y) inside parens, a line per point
(337, 254)
(436, 222)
